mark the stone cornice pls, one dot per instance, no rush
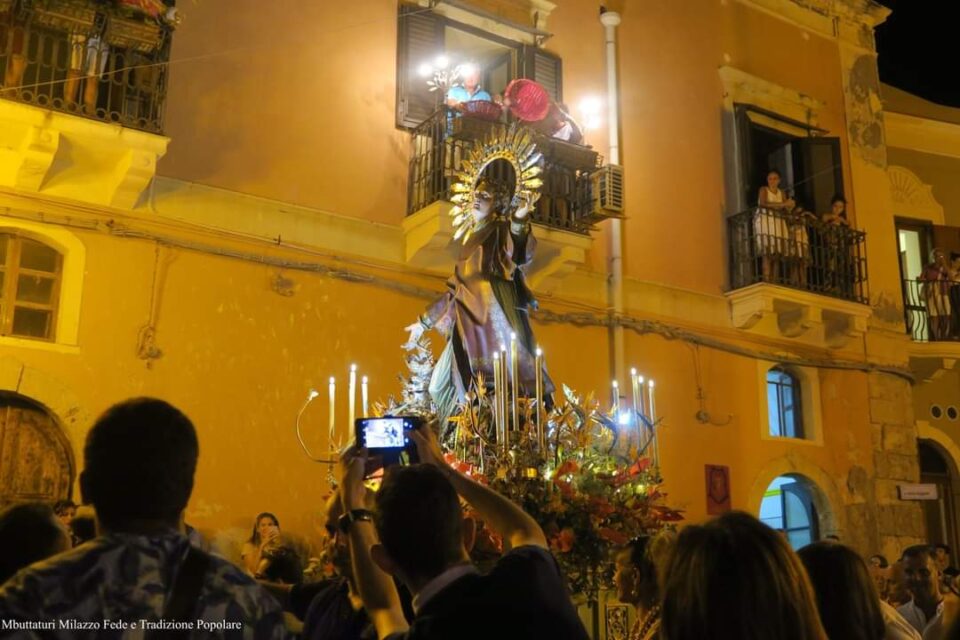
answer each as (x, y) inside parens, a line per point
(922, 134)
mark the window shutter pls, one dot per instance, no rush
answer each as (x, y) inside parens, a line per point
(420, 39)
(545, 68)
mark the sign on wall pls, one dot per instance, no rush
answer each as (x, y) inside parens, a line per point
(917, 491)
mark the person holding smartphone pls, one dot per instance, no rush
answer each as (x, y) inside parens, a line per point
(417, 532)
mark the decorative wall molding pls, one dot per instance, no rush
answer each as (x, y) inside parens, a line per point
(912, 197)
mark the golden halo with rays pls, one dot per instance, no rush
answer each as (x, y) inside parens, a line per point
(516, 146)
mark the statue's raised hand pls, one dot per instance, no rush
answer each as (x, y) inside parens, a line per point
(527, 200)
(416, 332)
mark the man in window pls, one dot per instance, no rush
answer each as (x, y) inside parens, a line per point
(468, 90)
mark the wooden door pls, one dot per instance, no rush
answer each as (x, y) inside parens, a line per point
(35, 459)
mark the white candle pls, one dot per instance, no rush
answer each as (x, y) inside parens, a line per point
(503, 399)
(352, 396)
(364, 396)
(652, 408)
(515, 380)
(497, 394)
(616, 399)
(538, 362)
(333, 413)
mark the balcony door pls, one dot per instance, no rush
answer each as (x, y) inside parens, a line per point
(914, 243)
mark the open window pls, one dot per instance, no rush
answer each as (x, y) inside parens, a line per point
(809, 162)
(424, 36)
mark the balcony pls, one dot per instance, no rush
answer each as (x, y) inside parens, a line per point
(98, 60)
(932, 315)
(565, 214)
(778, 259)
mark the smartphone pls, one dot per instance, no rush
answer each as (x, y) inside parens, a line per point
(387, 440)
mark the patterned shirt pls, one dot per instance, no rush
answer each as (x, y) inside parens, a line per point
(117, 585)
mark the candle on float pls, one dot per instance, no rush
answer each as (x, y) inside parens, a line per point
(538, 363)
(364, 395)
(497, 395)
(333, 413)
(515, 380)
(652, 408)
(616, 399)
(504, 384)
(634, 392)
(352, 392)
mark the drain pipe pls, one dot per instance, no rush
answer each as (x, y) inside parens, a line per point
(610, 20)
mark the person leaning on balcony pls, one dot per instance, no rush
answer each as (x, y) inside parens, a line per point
(469, 90)
(935, 279)
(954, 294)
(770, 224)
(838, 276)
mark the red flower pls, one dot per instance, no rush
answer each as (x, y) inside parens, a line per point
(563, 542)
(612, 536)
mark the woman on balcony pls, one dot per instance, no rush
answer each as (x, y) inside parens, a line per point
(771, 233)
(935, 288)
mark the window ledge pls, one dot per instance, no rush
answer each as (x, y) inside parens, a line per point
(782, 312)
(792, 441)
(39, 345)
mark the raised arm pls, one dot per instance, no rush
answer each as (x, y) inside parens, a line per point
(505, 517)
(376, 589)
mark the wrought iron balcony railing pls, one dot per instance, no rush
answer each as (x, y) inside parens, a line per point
(444, 141)
(932, 310)
(798, 251)
(100, 59)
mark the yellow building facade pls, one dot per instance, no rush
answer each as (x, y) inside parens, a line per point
(264, 239)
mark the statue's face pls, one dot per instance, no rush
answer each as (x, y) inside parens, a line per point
(482, 204)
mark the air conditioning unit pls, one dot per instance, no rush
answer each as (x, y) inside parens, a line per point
(608, 192)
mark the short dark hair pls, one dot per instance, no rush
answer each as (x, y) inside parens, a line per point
(776, 171)
(139, 461)
(837, 198)
(28, 533)
(940, 545)
(60, 507)
(83, 528)
(883, 560)
(737, 575)
(846, 597)
(419, 520)
(919, 551)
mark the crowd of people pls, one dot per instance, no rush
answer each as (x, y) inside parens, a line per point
(402, 559)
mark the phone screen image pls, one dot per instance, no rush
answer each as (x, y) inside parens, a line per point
(385, 433)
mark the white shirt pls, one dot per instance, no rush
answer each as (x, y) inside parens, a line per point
(897, 628)
(441, 582)
(918, 619)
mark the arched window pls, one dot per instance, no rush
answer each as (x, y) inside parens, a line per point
(788, 506)
(30, 273)
(784, 404)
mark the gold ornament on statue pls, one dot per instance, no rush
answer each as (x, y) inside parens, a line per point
(516, 146)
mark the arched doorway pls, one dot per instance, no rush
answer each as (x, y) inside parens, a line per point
(939, 515)
(790, 505)
(36, 462)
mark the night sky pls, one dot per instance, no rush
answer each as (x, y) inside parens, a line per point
(916, 44)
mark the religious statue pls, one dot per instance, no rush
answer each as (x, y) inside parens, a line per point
(487, 300)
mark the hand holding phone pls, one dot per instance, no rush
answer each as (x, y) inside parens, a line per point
(387, 440)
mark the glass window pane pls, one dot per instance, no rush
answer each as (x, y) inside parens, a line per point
(35, 289)
(773, 410)
(31, 323)
(800, 538)
(796, 511)
(34, 255)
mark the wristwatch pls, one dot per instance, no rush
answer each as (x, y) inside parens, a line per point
(354, 515)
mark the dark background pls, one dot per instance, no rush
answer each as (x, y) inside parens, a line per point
(919, 49)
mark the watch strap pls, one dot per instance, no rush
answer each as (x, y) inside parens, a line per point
(354, 515)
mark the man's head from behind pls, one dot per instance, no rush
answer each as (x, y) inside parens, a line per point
(420, 524)
(29, 533)
(139, 461)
